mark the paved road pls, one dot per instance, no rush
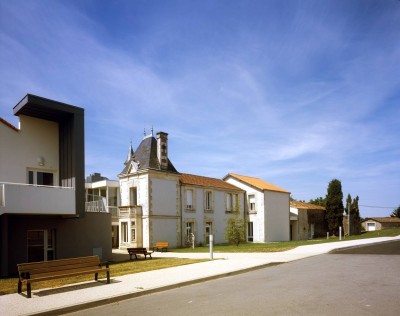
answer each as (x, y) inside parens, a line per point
(366, 282)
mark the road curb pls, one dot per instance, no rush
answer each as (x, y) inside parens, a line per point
(360, 246)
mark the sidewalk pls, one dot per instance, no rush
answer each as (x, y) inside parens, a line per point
(90, 294)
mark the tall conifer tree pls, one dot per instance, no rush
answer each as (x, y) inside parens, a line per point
(334, 206)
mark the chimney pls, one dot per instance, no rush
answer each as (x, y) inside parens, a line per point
(162, 150)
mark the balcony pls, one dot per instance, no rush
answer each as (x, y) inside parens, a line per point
(18, 198)
(130, 211)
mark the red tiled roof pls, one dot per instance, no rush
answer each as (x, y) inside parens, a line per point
(192, 179)
(308, 206)
(257, 183)
(384, 219)
(8, 124)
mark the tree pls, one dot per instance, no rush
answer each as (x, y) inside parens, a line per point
(318, 201)
(334, 206)
(355, 219)
(396, 212)
(235, 230)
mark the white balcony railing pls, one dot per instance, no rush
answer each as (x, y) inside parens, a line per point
(130, 211)
(18, 198)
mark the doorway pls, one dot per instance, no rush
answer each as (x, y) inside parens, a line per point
(40, 245)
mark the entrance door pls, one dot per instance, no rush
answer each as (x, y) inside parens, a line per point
(40, 245)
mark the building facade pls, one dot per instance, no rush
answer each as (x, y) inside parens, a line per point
(307, 221)
(102, 196)
(160, 204)
(267, 208)
(42, 195)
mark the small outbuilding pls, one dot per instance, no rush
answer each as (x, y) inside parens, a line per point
(378, 223)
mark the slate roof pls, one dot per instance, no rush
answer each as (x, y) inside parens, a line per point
(191, 179)
(257, 183)
(146, 156)
(307, 206)
(384, 219)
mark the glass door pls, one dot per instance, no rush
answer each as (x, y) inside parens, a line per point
(40, 245)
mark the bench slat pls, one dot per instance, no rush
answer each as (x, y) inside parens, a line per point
(55, 269)
(56, 263)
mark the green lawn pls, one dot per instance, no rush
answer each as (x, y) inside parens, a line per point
(287, 245)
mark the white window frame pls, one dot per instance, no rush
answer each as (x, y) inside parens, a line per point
(34, 180)
(208, 200)
(124, 232)
(252, 202)
(189, 199)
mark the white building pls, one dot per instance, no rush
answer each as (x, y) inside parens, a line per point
(150, 199)
(42, 197)
(160, 204)
(207, 204)
(102, 195)
(268, 208)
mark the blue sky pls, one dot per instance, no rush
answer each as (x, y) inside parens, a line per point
(294, 92)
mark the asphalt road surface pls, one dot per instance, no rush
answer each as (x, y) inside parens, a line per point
(358, 281)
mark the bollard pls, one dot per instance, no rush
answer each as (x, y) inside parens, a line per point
(340, 232)
(327, 235)
(211, 247)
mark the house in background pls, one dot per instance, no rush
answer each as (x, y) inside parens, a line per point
(42, 194)
(378, 223)
(307, 221)
(207, 205)
(268, 208)
(150, 199)
(102, 195)
(160, 204)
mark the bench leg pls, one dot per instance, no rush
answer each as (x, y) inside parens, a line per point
(96, 276)
(28, 290)
(19, 286)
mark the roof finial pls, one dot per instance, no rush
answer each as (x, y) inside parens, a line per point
(152, 130)
(144, 132)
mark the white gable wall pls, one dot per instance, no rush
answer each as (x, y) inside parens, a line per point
(271, 219)
(277, 224)
(20, 150)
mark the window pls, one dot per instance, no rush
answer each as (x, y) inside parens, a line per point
(133, 234)
(229, 202)
(208, 200)
(250, 231)
(124, 232)
(252, 203)
(40, 178)
(189, 199)
(133, 196)
(232, 202)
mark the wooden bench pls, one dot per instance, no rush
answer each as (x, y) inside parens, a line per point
(163, 245)
(54, 269)
(139, 251)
